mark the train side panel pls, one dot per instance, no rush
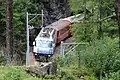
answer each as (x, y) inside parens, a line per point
(63, 33)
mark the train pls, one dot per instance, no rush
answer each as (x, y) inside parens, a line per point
(51, 35)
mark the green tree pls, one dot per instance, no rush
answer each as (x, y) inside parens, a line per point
(100, 19)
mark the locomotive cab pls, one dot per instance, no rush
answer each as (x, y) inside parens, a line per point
(44, 46)
(44, 43)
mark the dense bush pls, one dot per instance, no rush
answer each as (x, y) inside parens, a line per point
(103, 56)
(74, 73)
(112, 76)
(68, 68)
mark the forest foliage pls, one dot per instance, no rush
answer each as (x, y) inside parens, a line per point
(20, 7)
(102, 54)
(100, 59)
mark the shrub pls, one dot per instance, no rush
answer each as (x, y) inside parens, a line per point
(112, 76)
(68, 68)
(103, 56)
(75, 73)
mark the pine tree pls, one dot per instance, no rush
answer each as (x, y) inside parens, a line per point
(9, 31)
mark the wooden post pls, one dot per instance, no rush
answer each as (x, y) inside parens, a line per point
(79, 55)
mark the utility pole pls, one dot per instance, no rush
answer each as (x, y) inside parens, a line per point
(27, 29)
(42, 18)
(28, 47)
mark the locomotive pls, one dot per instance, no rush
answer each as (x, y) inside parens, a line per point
(51, 35)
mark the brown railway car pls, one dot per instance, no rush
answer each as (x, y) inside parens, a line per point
(62, 29)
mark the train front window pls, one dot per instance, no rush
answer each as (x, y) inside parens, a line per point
(44, 44)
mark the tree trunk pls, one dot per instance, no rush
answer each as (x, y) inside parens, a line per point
(118, 17)
(9, 34)
(100, 32)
